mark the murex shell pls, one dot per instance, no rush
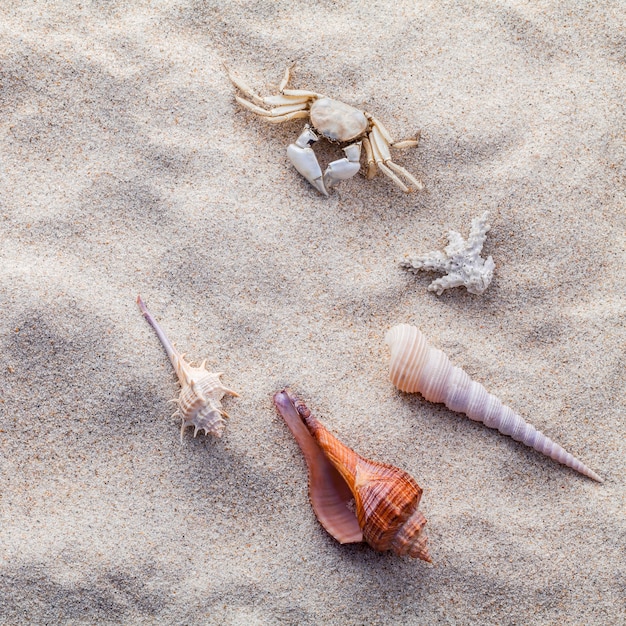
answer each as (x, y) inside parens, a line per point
(385, 512)
(199, 402)
(418, 367)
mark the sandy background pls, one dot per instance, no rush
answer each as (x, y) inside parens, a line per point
(127, 167)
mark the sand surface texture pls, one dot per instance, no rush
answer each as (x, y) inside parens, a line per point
(127, 167)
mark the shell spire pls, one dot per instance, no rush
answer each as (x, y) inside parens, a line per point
(418, 367)
(199, 402)
(385, 497)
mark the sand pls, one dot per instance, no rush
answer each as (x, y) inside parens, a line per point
(127, 167)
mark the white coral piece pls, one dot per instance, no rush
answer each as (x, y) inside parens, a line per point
(461, 262)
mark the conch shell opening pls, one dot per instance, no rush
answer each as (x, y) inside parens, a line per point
(385, 497)
(418, 367)
(199, 402)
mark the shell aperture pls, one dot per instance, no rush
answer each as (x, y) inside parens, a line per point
(418, 367)
(386, 498)
(328, 492)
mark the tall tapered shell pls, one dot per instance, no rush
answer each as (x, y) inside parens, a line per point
(385, 497)
(417, 366)
(199, 402)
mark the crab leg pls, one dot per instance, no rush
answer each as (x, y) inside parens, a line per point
(285, 81)
(281, 99)
(383, 131)
(369, 155)
(240, 84)
(400, 170)
(313, 95)
(382, 156)
(286, 118)
(277, 112)
(407, 143)
(387, 172)
(295, 92)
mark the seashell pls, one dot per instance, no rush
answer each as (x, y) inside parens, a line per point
(385, 498)
(417, 366)
(199, 402)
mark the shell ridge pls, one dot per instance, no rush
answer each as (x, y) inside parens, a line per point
(477, 400)
(416, 356)
(182, 368)
(458, 387)
(434, 374)
(341, 456)
(385, 504)
(410, 539)
(415, 347)
(494, 412)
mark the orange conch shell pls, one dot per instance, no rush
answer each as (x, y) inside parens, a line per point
(417, 366)
(385, 497)
(199, 402)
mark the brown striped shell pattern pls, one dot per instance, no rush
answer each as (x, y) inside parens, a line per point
(200, 399)
(385, 498)
(418, 367)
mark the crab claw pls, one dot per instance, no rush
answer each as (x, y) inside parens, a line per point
(304, 160)
(345, 168)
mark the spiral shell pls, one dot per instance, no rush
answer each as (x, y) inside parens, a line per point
(417, 366)
(199, 402)
(385, 498)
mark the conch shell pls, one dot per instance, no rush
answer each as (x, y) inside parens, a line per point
(385, 497)
(417, 366)
(199, 402)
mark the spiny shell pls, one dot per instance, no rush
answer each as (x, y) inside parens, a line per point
(418, 367)
(385, 497)
(337, 120)
(199, 402)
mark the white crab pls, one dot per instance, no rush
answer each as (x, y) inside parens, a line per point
(338, 122)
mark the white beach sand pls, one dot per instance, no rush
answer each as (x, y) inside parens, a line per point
(127, 167)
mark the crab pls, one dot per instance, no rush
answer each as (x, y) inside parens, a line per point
(339, 123)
